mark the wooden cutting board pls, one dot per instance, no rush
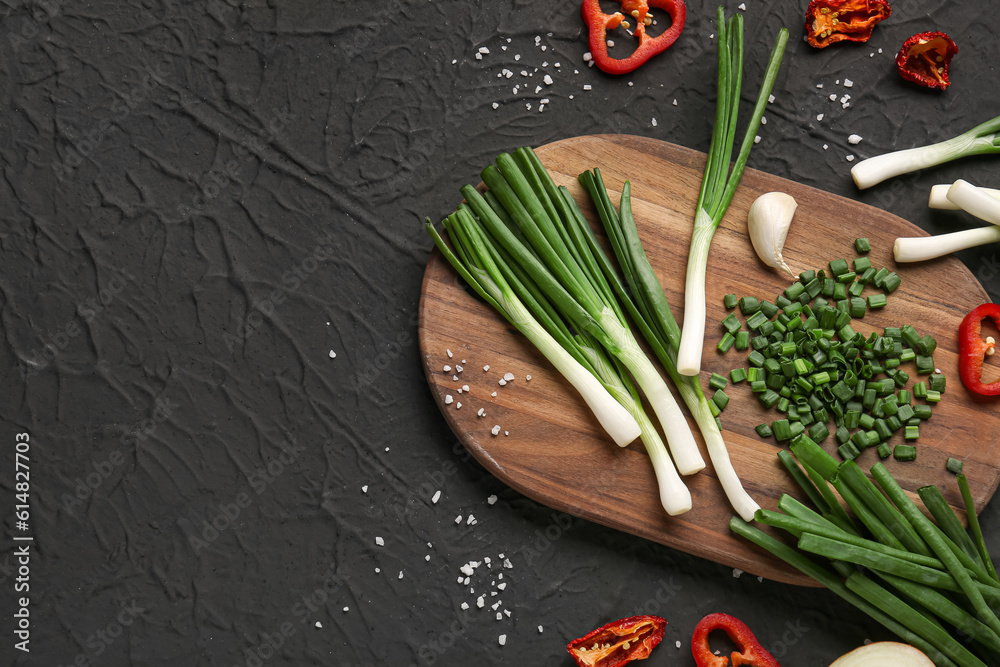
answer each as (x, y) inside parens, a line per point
(552, 450)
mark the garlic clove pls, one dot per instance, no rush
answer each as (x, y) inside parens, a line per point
(768, 221)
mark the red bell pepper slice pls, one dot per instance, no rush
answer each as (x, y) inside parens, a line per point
(616, 643)
(749, 652)
(832, 21)
(924, 59)
(598, 23)
(972, 349)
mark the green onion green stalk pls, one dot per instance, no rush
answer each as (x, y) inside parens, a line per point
(719, 182)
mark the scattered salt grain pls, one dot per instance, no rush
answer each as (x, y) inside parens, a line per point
(364, 489)
(763, 120)
(756, 139)
(507, 564)
(742, 6)
(400, 574)
(471, 521)
(484, 50)
(849, 158)
(848, 83)
(427, 557)
(446, 368)
(482, 412)
(501, 382)
(502, 639)
(450, 355)
(654, 122)
(737, 572)
(492, 499)
(538, 89)
(458, 519)
(318, 624)
(677, 643)
(346, 609)
(486, 367)
(528, 378)
(506, 432)
(333, 355)
(379, 541)
(587, 56)
(819, 85)
(502, 585)
(500, 618)
(826, 146)
(674, 102)
(770, 99)
(539, 629)
(508, 377)
(377, 570)
(548, 80)
(459, 369)
(496, 430)
(854, 139)
(833, 97)
(436, 497)
(465, 605)
(819, 116)
(458, 406)
(496, 105)
(454, 378)
(479, 56)
(448, 399)
(507, 612)
(481, 601)
(517, 56)
(587, 86)
(465, 387)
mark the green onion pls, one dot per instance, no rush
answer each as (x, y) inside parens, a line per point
(481, 273)
(719, 182)
(980, 140)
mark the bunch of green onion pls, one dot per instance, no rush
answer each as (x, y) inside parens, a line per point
(914, 575)
(719, 182)
(526, 248)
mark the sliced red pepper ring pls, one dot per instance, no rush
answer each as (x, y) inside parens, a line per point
(973, 349)
(832, 21)
(749, 652)
(924, 59)
(619, 642)
(598, 24)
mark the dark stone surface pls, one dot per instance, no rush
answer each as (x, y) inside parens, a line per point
(201, 200)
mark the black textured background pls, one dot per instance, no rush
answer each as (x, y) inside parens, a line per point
(200, 200)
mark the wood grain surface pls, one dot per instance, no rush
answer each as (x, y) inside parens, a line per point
(552, 450)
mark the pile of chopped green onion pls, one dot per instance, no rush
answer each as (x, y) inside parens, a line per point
(807, 361)
(916, 576)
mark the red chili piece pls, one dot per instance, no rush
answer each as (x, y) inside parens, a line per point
(972, 349)
(598, 23)
(831, 21)
(619, 642)
(750, 651)
(924, 59)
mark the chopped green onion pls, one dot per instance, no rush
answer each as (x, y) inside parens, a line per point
(729, 301)
(862, 245)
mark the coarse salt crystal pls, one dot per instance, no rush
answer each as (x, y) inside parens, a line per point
(528, 378)
(737, 572)
(756, 139)
(318, 624)
(467, 569)
(496, 105)
(454, 378)
(742, 6)
(484, 50)
(507, 564)
(654, 122)
(500, 618)
(465, 581)
(486, 367)
(854, 139)
(508, 376)
(538, 89)
(427, 557)
(826, 146)
(763, 120)
(459, 369)
(502, 586)
(587, 86)
(507, 611)
(458, 406)
(517, 56)
(346, 609)
(770, 99)
(450, 355)
(501, 382)
(548, 80)
(446, 368)
(819, 116)
(539, 629)
(471, 521)
(400, 574)
(587, 56)
(849, 158)
(479, 56)
(492, 499)
(482, 412)
(502, 639)
(819, 85)
(364, 489)
(833, 97)
(465, 387)
(496, 430)
(528, 106)
(459, 390)
(848, 83)
(465, 605)
(333, 355)
(458, 519)
(677, 643)
(436, 497)
(481, 602)
(379, 541)
(674, 102)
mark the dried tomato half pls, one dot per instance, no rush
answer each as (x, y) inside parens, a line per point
(617, 643)
(924, 59)
(831, 21)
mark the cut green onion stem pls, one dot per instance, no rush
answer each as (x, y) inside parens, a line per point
(920, 248)
(938, 198)
(980, 140)
(719, 182)
(975, 201)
